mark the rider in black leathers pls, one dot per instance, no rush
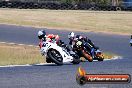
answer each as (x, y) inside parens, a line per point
(85, 42)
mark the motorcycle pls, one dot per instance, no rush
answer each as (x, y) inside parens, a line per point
(83, 51)
(57, 54)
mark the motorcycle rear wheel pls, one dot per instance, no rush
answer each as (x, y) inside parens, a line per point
(100, 59)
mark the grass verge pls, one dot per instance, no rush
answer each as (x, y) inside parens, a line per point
(19, 55)
(76, 20)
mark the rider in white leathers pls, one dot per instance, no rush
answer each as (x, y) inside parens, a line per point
(49, 37)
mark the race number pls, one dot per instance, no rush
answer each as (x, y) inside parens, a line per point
(44, 44)
(79, 43)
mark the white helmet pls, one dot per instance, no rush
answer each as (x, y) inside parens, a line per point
(71, 35)
(41, 34)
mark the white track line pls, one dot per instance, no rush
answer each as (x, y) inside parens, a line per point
(114, 58)
(26, 65)
(42, 64)
(12, 43)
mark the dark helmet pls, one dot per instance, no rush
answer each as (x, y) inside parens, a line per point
(79, 37)
(41, 34)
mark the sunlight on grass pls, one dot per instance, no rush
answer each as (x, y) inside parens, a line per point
(77, 20)
(19, 55)
(15, 54)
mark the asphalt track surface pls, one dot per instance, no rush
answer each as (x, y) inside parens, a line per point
(52, 76)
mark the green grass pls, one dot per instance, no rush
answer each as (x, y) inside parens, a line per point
(76, 20)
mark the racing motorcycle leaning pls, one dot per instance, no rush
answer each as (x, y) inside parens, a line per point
(58, 54)
(82, 49)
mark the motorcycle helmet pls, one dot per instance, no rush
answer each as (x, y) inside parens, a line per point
(79, 37)
(71, 35)
(41, 34)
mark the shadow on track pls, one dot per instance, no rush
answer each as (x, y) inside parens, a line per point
(52, 64)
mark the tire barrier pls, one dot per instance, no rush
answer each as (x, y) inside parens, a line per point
(59, 6)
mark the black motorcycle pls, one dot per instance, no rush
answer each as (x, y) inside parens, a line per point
(85, 49)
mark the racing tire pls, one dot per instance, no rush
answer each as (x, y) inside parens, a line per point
(118, 9)
(76, 59)
(52, 54)
(48, 60)
(100, 59)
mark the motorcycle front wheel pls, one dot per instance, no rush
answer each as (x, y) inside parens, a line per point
(55, 56)
(76, 59)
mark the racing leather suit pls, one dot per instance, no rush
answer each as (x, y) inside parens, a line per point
(90, 46)
(49, 38)
(52, 37)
